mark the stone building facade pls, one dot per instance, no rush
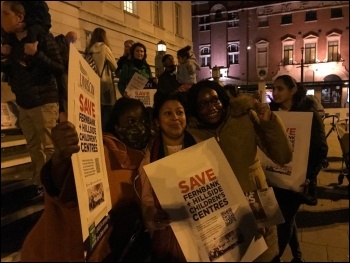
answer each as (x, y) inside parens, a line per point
(144, 21)
(253, 42)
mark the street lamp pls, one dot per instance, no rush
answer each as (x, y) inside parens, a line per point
(161, 49)
(302, 67)
(161, 46)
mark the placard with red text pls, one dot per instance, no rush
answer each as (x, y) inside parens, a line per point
(211, 217)
(292, 175)
(144, 95)
(89, 163)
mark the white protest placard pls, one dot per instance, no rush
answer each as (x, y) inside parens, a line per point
(137, 82)
(89, 163)
(210, 215)
(292, 175)
(144, 95)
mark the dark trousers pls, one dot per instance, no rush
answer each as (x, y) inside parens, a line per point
(287, 232)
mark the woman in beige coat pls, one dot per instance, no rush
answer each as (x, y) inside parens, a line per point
(240, 126)
(106, 64)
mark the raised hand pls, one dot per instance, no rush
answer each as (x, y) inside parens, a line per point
(65, 139)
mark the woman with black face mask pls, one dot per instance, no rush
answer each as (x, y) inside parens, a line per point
(137, 63)
(59, 228)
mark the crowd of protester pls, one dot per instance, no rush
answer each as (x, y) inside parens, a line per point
(185, 112)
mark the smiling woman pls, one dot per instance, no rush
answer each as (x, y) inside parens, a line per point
(170, 118)
(240, 125)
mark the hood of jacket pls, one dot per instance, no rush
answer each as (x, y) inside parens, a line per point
(240, 105)
(96, 48)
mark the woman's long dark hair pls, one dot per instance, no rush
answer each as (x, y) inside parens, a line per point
(98, 35)
(120, 107)
(300, 95)
(192, 95)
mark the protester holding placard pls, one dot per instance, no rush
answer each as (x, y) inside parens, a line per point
(170, 119)
(240, 126)
(57, 236)
(289, 96)
(137, 63)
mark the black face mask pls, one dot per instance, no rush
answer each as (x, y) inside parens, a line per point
(135, 135)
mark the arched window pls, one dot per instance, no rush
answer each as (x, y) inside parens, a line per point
(205, 56)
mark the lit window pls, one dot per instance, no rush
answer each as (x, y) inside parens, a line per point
(310, 53)
(288, 45)
(205, 56)
(128, 6)
(333, 53)
(288, 55)
(233, 53)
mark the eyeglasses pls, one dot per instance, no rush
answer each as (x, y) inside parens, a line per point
(204, 104)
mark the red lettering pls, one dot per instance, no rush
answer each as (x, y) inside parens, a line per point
(197, 181)
(291, 131)
(86, 106)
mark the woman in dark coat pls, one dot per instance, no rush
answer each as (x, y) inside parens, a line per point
(289, 96)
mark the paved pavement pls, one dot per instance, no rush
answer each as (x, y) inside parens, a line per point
(323, 229)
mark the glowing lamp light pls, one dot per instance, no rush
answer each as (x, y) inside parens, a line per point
(161, 46)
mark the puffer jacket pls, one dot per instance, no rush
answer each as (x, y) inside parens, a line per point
(57, 236)
(34, 84)
(318, 143)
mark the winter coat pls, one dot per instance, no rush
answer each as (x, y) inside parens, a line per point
(128, 70)
(64, 49)
(167, 82)
(57, 236)
(34, 85)
(239, 136)
(318, 144)
(186, 72)
(106, 65)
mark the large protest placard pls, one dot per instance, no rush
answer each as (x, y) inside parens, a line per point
(292, 175)
(89, 163)
(210, 215)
